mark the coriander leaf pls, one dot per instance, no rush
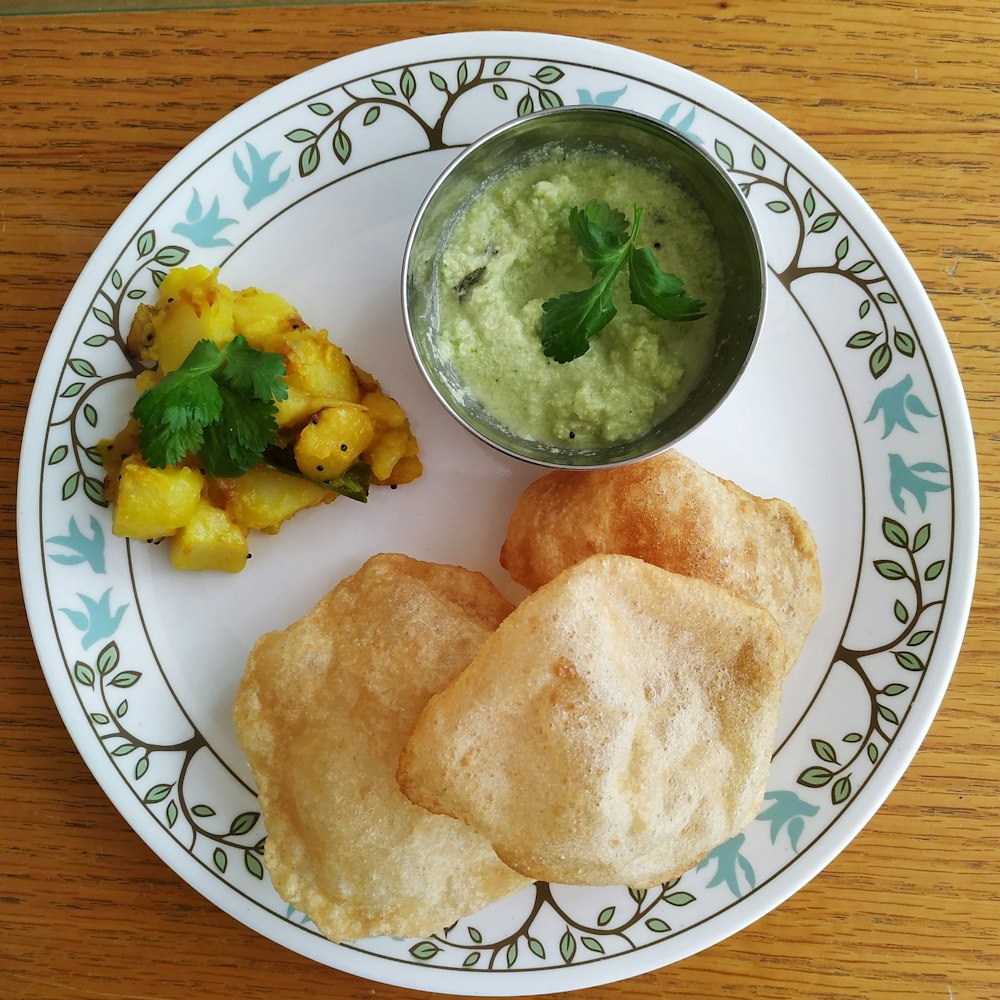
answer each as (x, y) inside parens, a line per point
(661, 293)
(236, 441)
(173, 413)
(600, 232)
(569, 321)
(250, 371)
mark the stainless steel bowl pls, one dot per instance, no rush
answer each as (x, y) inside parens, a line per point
(632, 135)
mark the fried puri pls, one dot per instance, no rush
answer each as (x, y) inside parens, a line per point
(674, 514)
(615, 728)
(322, 713)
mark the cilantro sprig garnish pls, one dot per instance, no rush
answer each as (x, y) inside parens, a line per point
(608, 244)
(218, 406)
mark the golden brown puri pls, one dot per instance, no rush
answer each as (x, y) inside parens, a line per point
(322, 712)
(672, 513)
(614, 729)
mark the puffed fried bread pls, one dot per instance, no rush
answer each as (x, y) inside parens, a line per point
(615, 728)
(322, 712)
(669, 511)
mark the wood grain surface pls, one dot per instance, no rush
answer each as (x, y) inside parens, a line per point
(902, 97)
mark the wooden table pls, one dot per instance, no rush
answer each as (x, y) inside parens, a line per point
(903, 98)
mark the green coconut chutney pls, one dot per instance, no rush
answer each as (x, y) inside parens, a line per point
(511, 249)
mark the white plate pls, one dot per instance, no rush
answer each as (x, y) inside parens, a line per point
(852, 410)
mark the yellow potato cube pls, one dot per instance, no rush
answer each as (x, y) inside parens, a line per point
(408, 468)
(386, 450)
(264, 497)
(265, 319)
(153, 503)
(332, 441)
(385, 409)
(209, 540)
(320, 368)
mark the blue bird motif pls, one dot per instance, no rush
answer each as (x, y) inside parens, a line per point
(684, 125)
(904, 478)
(606, 98)
(787, 811)
(82, 549)
(202, 228)
(893, 403)
(257, 179)
(727, 857)
(96, 621)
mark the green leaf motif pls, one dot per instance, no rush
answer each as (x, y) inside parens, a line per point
(895, 533)
(99, 718)
(301, 135)
(384, 87)
(511, 956)
(842, 247)
(58, 454)
(724, 153)
(638, 895)
(243, 823)
(122, 710)
(103, 317)
(471, 959)
(424, 951)
(567, 947)
(525, 106)
(809, 202)
(108, 658)
(905, 344)
(371, 115)
(72, 390)
(778, 207)
(592, 944)
(462, 76)
(116, 280)
(439, 82)
(864, 308)
(499, 91)
(308, 160)
(549, 99)
(407, 84)
(908, 660)
(171, 814)
(342, 145)
(922, 537)
(141, 766)
(549, 74)
(679, 898)
(220, 860)
(934, 570)
(657, 926)
(146, 243)
(99, 339)
(604, 917)
(475, 936)
(918, 638)
(889, 568)
(70, 486)
(126, 679)
(863, 338)
(887, 297)
(872, 752)
(825, 222)
(320, 108)
(157, 794)
(501, 67)
(888, 714)
(202, 811)
(90, 415)
(824, 751)
(171, 256)
(157, 277)
(841, 790)
(899, 610)
(253, 865)
(853, 738)
(83, 673)
(861, 266)
(758, 157)
(124, 750)
(536, 947)
(94, 488)
(815, 777)
(894, 689)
